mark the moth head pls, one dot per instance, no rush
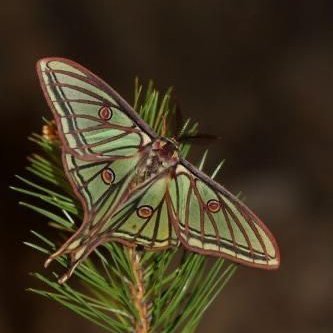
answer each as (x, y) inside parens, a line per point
(173, 142)
(166, 143)
(167, 148)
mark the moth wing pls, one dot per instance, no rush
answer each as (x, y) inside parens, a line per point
(103, 140)
(100, 186)
(145, 218)
(93, 121)
(210, 220)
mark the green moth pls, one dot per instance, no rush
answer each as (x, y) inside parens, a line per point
(133, 185)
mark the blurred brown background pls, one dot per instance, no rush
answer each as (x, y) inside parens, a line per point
(258, 73)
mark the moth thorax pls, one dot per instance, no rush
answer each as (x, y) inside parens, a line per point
(167, 150)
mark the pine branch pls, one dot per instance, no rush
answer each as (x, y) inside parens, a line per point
(138, 293)
(121, 289)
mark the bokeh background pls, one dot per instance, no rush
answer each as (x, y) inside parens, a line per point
(257, 73)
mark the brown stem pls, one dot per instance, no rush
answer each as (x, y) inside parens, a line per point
(138, 293)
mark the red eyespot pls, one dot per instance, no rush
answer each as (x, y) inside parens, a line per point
(105, 113)
(213, 206)
(144, 211)
(108, 176)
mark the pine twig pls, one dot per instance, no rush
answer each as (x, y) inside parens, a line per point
(138, 292)
(122, 290)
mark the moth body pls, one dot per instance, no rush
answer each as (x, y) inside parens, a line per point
(163, 154)
(133, 185)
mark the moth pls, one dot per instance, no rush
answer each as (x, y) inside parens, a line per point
(134, 186)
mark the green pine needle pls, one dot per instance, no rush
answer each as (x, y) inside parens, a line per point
(117, 288)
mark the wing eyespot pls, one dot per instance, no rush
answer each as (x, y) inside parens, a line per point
(145, 211)
(213, 205)
(105, 113)
(108, 176)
